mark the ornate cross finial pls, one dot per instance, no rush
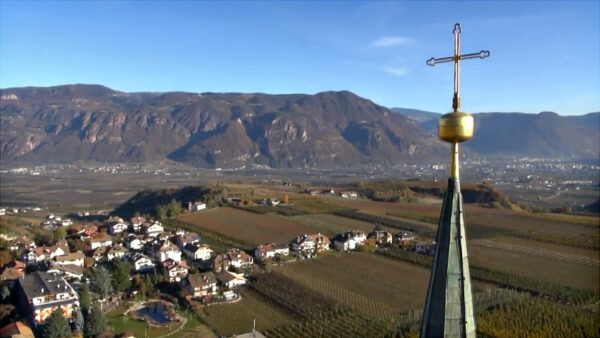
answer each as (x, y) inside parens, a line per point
(456, 127)
(456, 58)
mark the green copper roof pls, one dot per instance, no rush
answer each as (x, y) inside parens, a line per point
(449, 307)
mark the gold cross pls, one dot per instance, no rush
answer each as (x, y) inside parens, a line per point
(456, 58)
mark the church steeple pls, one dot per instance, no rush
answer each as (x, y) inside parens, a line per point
(449, 307)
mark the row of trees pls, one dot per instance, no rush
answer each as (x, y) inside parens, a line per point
(89, 322)
(171, 210)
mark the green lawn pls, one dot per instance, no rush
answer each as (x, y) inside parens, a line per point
(123, 323)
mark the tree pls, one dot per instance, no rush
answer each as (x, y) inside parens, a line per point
(57, 325)
(78, 322)
(161, 212)
(150, 288)
(100, 282)
(286, 199)
(121, 280)
(84, 298)
(173, 209)
(5, 257)
(94, 323)
(60, 233)
(42, 238)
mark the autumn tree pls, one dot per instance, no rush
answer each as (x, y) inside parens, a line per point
(5, 257)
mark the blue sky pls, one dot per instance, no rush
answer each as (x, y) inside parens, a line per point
(545, 54)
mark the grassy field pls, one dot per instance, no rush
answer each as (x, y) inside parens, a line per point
(247, 226)
(236, 318)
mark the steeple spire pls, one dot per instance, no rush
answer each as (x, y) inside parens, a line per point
(449, 307)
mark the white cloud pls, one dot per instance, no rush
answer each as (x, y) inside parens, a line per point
(395, 71)
(388, 41)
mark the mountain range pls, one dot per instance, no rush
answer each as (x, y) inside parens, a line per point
(230, 130)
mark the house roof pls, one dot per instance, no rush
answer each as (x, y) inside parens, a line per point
(70, 257)
(238, 254)
(226, 277)
(100, 237)
(199, 280)
(16, 328)
(40, 283)
(117, 248)
(70, 268)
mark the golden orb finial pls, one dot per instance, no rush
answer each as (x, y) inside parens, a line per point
(456, 127)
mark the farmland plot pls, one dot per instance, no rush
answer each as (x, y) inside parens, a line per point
(373, 285)
(237, 318)
(247, 226)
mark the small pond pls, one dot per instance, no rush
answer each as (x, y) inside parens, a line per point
(156, 313)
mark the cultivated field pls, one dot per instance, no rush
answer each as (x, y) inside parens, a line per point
(247, 226)
(237, 318)
(537, 267)
(352, 278)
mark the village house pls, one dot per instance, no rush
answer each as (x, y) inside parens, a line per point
(117, 228)
(69, 271)
(21, 243)
(45, 253)
(41, 293)
(310, 243)
(359, 236)
(134, 243)
(266, 251)
(175, 271)
(271, 202)
(202, 284)
(117, 251)
(344, 242)
(221, 263)
(85, 231)
(349, 194)
(99, 240)
(75, 258)
(165, 251)
(187, 238)
(196, 206)
(230, 279)
(381, 237)
(239, 259)
(197, 252)
(142, 262)
(153, 229)
(66, 222)
(404, 237)
(99, 254)
(2, 211)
